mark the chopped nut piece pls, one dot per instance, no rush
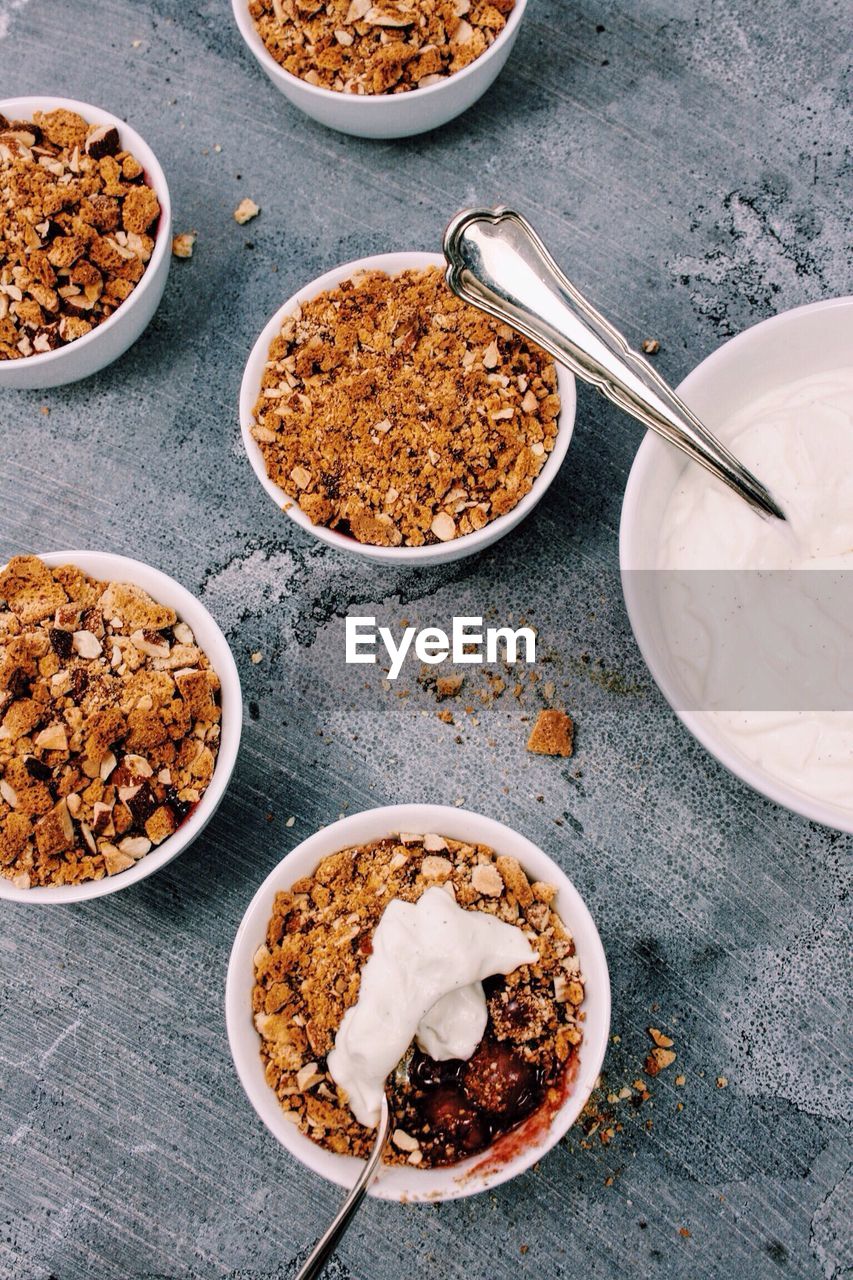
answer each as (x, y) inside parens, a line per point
(487, 880)
(651, 346)
(114, 859)
(136, 846)
(308, 1076)
(443, 526)
(404, 1140)
(183, 244)
(54, 738)
(552, 734)
(86, 644)
(246, 210)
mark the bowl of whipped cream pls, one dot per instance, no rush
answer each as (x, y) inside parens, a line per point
(746, 622)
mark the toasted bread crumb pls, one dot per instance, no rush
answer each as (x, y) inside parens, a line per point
(552, 734)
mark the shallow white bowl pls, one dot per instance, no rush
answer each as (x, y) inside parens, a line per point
(107, 341)
(165, 590)
(795, 344)
(440, 553)
(406, 1183)
(386, 115)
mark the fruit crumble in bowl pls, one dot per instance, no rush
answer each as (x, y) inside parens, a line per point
(437, 954)
(386, 69)
(84, 243)
(392, 420)
(120, 720)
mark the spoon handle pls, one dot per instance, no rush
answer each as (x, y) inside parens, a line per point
(328, 1242)
(497, 262)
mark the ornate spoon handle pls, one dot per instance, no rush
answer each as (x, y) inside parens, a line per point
(497, 262)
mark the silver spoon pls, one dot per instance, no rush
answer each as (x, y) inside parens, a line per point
(497, 262)
(328, 1242)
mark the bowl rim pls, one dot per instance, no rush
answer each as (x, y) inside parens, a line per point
(393, 263)
(698, 723)
(406, 1184)
(108, 566)
(367, 101)
(156, 178)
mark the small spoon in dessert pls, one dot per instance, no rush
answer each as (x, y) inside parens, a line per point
(328, 1242)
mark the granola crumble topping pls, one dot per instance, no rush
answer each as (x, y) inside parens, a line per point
(77, 222)
(362, 47)
(307, 975)
(109, 724)
(393, 411)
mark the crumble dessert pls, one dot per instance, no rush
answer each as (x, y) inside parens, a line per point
(76, 231)
(308, 973)
(109, 724)
(393, 411)
(362, 47)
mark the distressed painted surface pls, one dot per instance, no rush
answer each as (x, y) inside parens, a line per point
(684, 162)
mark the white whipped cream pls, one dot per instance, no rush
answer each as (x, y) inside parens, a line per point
(799, 441)
(422, 979)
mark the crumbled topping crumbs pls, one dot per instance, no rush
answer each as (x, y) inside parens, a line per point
(246, 210)
(552, 734)
(362, 47)
(394, 412)
(76, 230)
(109, 724)
(183, 244)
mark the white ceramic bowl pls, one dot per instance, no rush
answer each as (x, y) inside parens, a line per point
(107, 341)
(440, 553)
(386, 115)
(165, 590)
(795, 344)
(406, 1183)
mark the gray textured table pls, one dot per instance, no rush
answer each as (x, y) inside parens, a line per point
(687, 170)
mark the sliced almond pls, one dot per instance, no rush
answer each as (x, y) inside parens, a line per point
(444, 527)
(107, 765)
(136, 846)
(53, 738)
(86, 644)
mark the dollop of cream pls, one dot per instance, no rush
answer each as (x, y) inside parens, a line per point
(422, 980)
(799, 440)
